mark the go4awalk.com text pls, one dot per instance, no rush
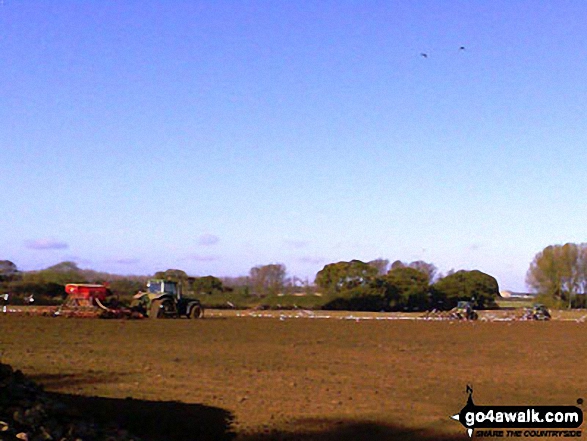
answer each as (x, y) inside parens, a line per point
(520, 421)
(509, 433)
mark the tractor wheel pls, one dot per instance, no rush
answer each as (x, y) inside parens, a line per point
(162, 309)
(196, 312)
(168, 308)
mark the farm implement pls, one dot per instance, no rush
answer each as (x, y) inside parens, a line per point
(90, 300)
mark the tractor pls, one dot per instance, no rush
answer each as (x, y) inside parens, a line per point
(464, 311)
(536, 312)
(163, 299)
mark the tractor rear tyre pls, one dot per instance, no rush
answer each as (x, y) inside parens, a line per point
(196, 312)
(168, 309)
(162, 309)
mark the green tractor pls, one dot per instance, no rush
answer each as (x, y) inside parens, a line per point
(163, 299)
(536, 312)
(464, 311)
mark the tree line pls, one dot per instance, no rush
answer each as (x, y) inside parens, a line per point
(48, 285)
(557, 274)
(356, 285)
(353, 285)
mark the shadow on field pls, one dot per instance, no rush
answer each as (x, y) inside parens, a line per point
(335, 430)
(57, 381)
(155, 420)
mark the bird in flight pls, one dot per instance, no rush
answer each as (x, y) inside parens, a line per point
(424, 55)
(462, 48)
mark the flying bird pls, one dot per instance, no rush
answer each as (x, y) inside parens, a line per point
(424, 55)
(462, 48)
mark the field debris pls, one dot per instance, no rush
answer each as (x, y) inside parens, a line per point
(27, 413)
(494, 315)
(303, 314)
(357, 316)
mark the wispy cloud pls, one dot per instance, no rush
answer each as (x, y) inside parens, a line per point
(208, 239)
(126, 261)
(201, 258)
(296, 243)
(311, 259)
(352, 245)
(46, 244)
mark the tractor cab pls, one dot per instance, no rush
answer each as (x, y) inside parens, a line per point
(464, 306)
(160, 287)
(464, 311)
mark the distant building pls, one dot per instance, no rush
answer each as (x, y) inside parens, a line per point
(516, 295)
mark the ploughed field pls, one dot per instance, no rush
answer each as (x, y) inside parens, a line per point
(324, 379)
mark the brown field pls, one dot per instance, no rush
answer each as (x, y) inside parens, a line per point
(323, 379)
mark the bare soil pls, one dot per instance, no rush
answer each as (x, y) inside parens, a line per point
(266, 378)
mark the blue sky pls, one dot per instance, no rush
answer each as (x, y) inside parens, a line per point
(216, 136)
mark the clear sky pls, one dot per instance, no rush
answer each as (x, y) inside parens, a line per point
(215, 136)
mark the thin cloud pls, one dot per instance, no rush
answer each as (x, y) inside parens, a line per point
(351, 245)
(296, 243)
(208, 239)
(46, 244)
(201, 258)
(311, 259)
(126, 261)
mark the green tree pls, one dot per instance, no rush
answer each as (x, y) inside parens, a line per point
(267, 279)
(419, 265)
(175, 275)
(42, 291)
(559, 272)
(380, 264)
(474, 286)
(64, 267)
(408, 288)
(397, 264)
(206, 285)
(8, 270)
(343, 276)
(428, 268)
(369, 297)
(582, 269)
(125, 287)
(60, 274)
